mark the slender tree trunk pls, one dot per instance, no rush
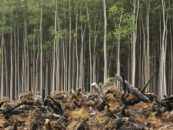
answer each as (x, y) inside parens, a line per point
(37, 68)
(73, 69)
(54, 52)
(171, 61)
(57, 52)
(144, 58)
(77, 59)
(64, 67)
(134, 37)
(94, 58)
(18, 65)
(162, 67)
(6, 74)
(70, 47)
(15, 63)
(46, 79)
(2, 60)
(2, 66)
(81, 74)
(11, 62)
(94, 50)
(118, 47)
(57, 47)
(90, 52)
(41, 47)
(104, 44)
(147, 71)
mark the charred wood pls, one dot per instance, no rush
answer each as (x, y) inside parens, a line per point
(133, 89)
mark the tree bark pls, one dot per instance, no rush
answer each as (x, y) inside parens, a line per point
(41, 47)
(133, 44)
(105, 39)
(162, 67)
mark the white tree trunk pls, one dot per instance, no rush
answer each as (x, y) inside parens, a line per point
(69, 53)
(77, 59)
(134, 36)
(54, 51)
(147, 70)
(81, 74)
(2, 66)
(11, 65)
(41, 48)
(162, 67)
(104, 44)
(90, 52)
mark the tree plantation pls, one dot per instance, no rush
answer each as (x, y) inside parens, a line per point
(60, 45)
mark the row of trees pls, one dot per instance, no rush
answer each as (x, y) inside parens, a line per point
(68, 44)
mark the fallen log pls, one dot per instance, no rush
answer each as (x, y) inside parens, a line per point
(55, 105)
(132, 89)
(167, 103)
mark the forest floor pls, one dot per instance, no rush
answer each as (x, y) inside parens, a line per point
(109, 109)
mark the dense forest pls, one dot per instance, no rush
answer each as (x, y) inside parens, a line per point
(68, 44)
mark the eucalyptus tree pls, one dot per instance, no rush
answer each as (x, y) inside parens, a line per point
(2, 12)
(113, 11)
(82, 21)
(53, 87)
(163, 45)
(89, 41)
(104, 43)
(70, 48)
(133, 43)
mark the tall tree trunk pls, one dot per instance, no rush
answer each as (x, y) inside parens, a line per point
(11, 61)
(81, 74)
(6, 74)
(54, 51)
(41, 47)
(18, 65)
(2, 66)
(162, 67)
(15, 63)
(57, 52)
(118, 46)
(2, 59)
(147, 59)
(70, 47)
(90, 52)
(97, 28)
(64, 67)
(144, 58)
(133, 44)
(104, 44)
(77, 59)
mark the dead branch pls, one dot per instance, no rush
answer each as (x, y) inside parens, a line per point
(132, 89)
(145, 86)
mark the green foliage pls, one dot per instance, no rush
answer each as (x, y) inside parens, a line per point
(113, 10)
(60, 34)
(5, 29)
(126, 27)
(123, 20)
(33, 20)
(120, 25)
(83, 18)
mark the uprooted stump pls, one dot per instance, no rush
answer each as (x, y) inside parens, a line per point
(107, 110)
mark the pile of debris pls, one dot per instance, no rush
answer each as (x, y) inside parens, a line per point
(125, 108)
